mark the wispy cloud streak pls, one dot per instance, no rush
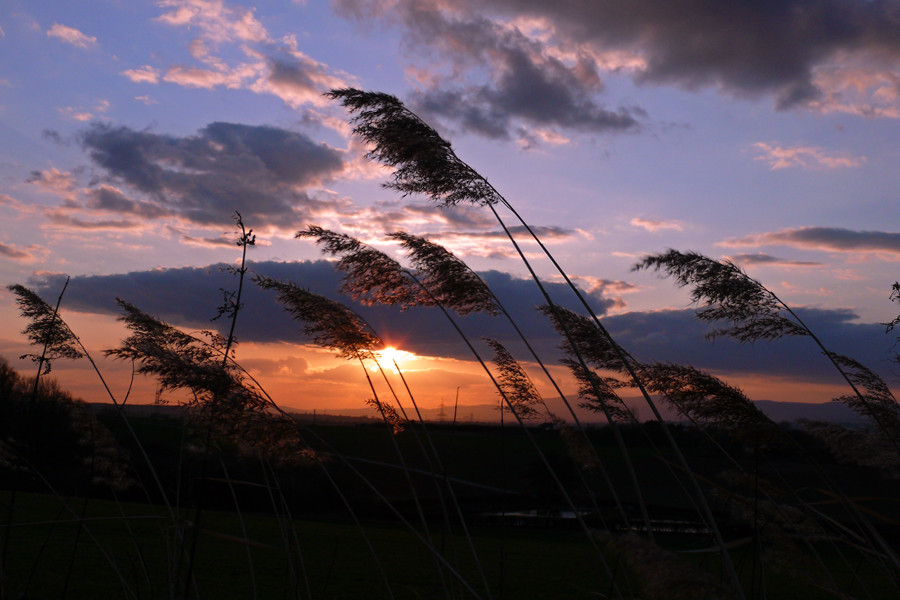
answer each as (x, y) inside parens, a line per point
(806, 157)
(831, 239)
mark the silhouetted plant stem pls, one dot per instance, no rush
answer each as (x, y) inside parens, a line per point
(231, 307)
(240, 515)
(392, 433)
(440, 468)
(523, 426)
(701, 496)
(425, 163)
(444, 269)
(427, 543)
(425, 453)
(60, 341)
(49, 334)
(245, 239)
(617, 435)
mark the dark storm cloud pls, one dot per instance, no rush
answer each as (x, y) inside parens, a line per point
(769, 47)
(260, 171)
(189, 296)
(526, 84)
(832, 239)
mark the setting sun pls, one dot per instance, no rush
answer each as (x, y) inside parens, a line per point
(390, 357)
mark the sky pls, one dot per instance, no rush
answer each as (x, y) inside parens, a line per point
(760, 132)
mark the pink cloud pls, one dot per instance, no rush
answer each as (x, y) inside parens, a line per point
(861, 83)
(60, 182)
(72, 36)
(144, 74)
(216, 22)
(807, 157)
(14, 253)
(653, 226)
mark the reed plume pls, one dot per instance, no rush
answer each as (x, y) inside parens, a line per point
(328, 323)
(45, 329)
(448, 279)
(515, 384)
(424, 162)
(180, 361)
(727, 293)
(370, 276)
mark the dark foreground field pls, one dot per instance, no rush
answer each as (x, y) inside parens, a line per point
(293, 536)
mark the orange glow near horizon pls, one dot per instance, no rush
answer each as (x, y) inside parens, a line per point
(304, 377)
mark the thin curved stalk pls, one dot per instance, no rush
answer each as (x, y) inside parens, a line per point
(240, 515)
(617, 435)
(700, 495)
(524, 428)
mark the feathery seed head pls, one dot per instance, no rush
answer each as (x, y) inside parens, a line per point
(370, 276)
(520, 392)
(727, 293)
(448, 279)
(45, 328)
(330, 324)
(424, 162)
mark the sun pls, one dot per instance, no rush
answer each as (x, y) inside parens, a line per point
(389, 356)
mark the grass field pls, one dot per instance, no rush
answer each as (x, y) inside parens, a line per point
(74, 547)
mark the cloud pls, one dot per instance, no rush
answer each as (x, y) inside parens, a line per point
(107, 198)
(807, 157)
(14, 253)
(864, 83)
(202, 78)
(264, 172)
(834, 55)
(59, 217)
(72, 36)
(275, 67)
(75, 114)
(654, 226)
(214, 20)
(60, 182)
(495, 243)
(145, 74)
(189, 296)
(830, 239)
(530, 92)
(145, 99)
(297, 79)
(606, 286)
(767, 259)
(84, 114)
(676, 335)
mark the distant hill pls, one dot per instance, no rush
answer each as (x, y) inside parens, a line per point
(833, 412)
